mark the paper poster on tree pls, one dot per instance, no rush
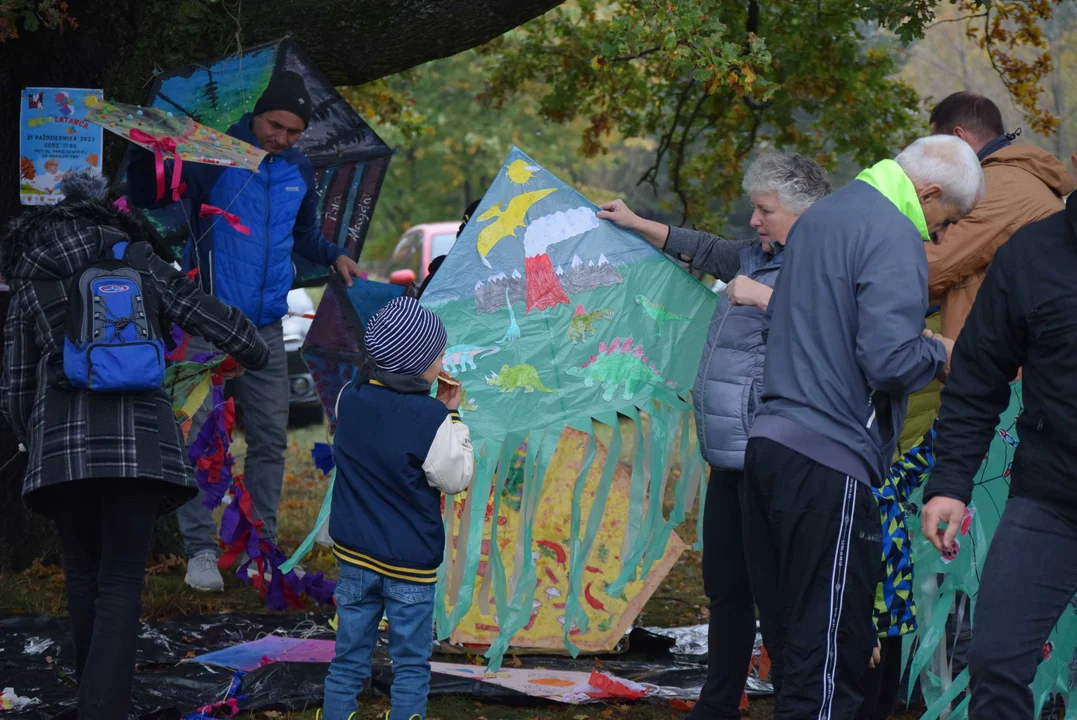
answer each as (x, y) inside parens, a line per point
(54, 138)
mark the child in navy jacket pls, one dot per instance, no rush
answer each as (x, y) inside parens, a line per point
(397, 450)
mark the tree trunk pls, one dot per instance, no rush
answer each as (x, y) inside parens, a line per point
(117, 46)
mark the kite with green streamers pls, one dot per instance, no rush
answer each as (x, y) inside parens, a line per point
(943, 581)
(606, 329)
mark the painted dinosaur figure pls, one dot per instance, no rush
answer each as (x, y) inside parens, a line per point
(658, 313)
(506, 219)
(620, 363)
(466, 404)
(516, 377)
(513, 333)
(583, 323)
(459, 358)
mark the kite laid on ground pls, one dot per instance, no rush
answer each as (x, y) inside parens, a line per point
(547, 337)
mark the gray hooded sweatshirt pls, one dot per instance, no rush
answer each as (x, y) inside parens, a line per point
(843, 327)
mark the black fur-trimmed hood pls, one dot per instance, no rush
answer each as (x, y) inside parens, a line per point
(31, 232)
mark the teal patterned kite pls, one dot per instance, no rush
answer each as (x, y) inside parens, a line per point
(940, 580)
(557, 319)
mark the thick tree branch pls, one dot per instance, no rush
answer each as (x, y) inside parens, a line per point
(678, 158)
(637, 56)
(356, 41)
(955, 19)
(119, 43)
(650, 177)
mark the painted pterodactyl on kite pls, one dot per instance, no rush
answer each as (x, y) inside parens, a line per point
(506, 220)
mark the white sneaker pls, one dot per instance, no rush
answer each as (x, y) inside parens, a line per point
(202, 573)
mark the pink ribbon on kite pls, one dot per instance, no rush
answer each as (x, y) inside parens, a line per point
(161, 146)
(207, 211)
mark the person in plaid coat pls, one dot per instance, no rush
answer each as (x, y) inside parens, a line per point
(102, 466)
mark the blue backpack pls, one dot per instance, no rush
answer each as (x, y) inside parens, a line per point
(113, 340)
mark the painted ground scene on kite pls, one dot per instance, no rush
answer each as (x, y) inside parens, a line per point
(555, 315)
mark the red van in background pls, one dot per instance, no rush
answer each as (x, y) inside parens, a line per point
(417, 247)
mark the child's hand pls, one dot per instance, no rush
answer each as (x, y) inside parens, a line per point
(452, 398)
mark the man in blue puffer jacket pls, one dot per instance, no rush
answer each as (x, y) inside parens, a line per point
(253, 272)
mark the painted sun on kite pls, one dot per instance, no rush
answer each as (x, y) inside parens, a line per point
(521, 172)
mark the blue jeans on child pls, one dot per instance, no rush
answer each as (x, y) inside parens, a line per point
(361, 597)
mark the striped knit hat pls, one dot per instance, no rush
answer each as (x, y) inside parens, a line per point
(405, 338)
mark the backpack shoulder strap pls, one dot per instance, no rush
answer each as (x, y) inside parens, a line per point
(137, 254)
(119, 249)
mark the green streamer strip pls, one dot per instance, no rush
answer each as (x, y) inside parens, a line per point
(494, 564)
(640, 476)
(956, 688)
(518, 612)
(323, 515)
(477, 512)
(467, 552)
(581, 550)
(660, 539)
(930, 636)
(661, 439)
(441, 619)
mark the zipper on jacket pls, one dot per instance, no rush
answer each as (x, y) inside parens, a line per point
(265, 263)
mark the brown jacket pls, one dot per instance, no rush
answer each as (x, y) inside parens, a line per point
(1023, 184)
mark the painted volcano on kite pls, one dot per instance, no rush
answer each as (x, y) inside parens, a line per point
(519, 234)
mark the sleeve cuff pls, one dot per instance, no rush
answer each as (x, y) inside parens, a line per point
(455, 416)
(678, 242)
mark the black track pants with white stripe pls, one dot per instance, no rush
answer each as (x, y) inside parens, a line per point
(812, 537)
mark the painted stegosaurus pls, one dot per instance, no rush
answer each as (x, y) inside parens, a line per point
(619, 363)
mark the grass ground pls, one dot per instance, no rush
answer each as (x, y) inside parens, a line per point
(678, 601)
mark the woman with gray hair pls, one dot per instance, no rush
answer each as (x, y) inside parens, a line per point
(726, 394)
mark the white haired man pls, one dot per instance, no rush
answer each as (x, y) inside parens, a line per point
(845, 346)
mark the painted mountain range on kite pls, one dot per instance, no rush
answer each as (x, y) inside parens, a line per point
(580, 277)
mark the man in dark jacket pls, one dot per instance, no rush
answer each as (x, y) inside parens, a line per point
(845, 346)
(1023, 317)
(253, 272)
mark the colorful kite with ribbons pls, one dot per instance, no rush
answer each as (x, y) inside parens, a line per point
(197, 103)
(241, 533)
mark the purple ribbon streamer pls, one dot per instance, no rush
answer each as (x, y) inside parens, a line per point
(205, 445)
